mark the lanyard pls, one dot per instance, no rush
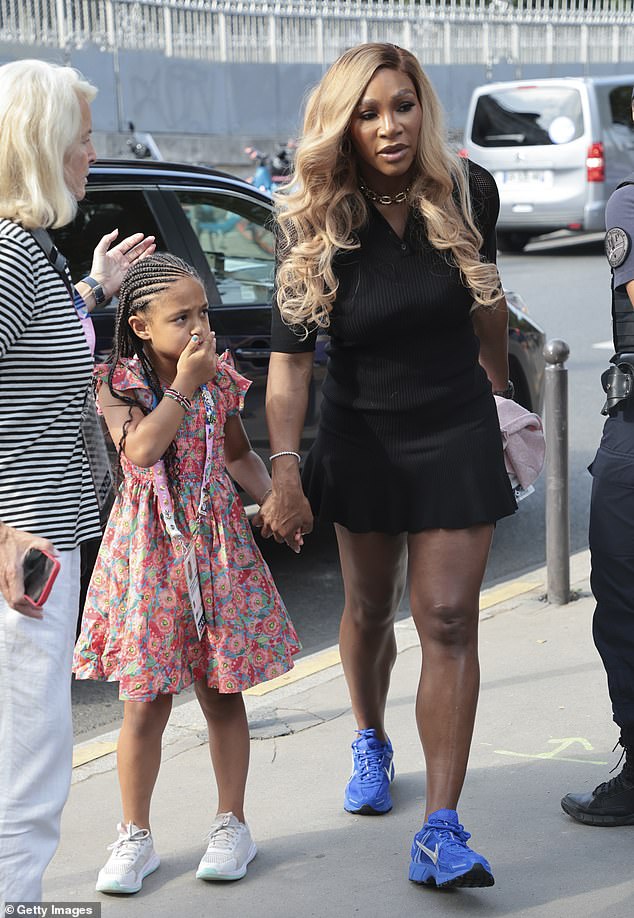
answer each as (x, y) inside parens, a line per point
(166, 505)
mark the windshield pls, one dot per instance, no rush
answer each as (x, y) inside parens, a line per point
(527, 116)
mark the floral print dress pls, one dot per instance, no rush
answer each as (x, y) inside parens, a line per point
(137, 626)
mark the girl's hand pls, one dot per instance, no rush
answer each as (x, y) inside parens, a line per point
(197, 363)
(110, 266)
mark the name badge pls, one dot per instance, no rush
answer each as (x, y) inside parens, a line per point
(193, 588)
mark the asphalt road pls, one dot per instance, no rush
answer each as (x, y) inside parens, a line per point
(565, 284)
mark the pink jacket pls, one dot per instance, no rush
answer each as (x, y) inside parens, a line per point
(523, 440)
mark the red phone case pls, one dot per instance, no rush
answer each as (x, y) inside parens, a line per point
(48, 586)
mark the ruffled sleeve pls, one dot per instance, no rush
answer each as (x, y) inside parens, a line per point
(127, 378)
(231, 385)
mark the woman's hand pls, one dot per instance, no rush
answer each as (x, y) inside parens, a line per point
(110, 265)
(14, 544)
(197, 363)
(285, 515)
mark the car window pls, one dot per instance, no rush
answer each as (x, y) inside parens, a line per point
(236, 236)
(527, 116)
(99, 213)
(620, 99)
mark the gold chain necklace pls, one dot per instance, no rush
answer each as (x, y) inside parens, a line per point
(384, 199)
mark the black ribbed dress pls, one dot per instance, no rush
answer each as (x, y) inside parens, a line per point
(409, 436)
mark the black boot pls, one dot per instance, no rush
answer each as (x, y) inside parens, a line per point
(609, 804)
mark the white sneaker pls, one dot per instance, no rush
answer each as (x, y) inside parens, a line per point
(229, 851)
(133, 858)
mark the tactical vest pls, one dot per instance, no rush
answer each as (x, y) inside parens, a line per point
(622, 310)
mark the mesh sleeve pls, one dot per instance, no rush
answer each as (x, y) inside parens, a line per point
(485, 201)
(287, 339)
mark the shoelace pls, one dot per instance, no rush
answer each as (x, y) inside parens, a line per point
(369, 764)
(127, 846)
(627, 753)
(223, 834)
(617, 783)
(623, 752)
(626, 775)
(453, 836)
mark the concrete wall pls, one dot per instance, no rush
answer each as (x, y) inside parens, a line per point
(208, 112)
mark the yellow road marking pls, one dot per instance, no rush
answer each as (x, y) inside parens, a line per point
(559, 758)
(301, 669)
(506, 591)
(564, 744)
(83, 754)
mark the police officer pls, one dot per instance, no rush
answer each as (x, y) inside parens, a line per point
(612, 523)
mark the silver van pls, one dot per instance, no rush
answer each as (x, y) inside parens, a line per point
(557, 148)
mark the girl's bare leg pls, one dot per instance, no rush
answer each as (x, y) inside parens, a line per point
(139, 755)
(228, 744)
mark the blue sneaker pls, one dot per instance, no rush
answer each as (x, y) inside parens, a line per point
(441, 857)
(368, 790)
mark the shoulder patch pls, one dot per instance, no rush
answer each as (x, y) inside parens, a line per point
(617, 246)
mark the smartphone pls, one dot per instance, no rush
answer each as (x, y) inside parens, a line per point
(40, 570)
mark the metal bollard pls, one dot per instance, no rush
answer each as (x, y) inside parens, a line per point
(556, 352)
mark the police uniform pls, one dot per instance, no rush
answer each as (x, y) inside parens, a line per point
(612, 525)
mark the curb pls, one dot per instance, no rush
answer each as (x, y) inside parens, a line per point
(187, 728)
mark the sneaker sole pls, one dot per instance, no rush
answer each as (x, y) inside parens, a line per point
(590, 819)
(208, 873)
(366, 810)
(477, 877)
(115, 888)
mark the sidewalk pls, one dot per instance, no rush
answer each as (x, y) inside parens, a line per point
(544, 728)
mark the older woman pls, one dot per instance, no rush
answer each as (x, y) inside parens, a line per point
(47, 497)
(387, 243)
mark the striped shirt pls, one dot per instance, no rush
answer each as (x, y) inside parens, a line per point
(45, 369)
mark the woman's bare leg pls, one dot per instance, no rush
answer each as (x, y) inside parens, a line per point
(446, 568)
(374, 567)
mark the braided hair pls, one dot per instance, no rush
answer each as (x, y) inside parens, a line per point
(144, 281)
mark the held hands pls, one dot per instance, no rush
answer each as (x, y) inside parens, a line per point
(110, 266)
(14, 544)
(197, 363)
(285, 515)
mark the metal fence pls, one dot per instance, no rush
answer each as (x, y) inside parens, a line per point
(317, 31)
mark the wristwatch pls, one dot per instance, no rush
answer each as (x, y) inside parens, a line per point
(509, 392)
(97, 290)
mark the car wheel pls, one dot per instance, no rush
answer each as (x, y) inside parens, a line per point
(522, 394)
(512, 242)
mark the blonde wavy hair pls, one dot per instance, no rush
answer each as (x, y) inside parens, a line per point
(324, 208)
(40, 122)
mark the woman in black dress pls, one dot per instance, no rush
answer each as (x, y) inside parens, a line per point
(386, 242)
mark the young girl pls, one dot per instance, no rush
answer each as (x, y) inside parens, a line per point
(180, 592)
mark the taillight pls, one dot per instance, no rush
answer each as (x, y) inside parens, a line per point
(595, 163)
(464, 153)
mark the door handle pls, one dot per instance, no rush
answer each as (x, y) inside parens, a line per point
(253, 353)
